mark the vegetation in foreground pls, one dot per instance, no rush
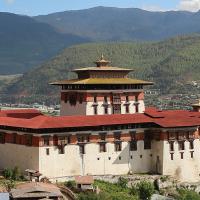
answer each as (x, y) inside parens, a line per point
(141, 191)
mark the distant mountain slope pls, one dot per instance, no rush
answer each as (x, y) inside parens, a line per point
(169, 63)
(124, 24)
(26, 43)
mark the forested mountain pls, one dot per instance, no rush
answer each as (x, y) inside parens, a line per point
(124, 24)
(169, 64)
(26, 43)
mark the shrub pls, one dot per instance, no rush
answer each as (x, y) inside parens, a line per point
(16, 174)
(145, 190)
(8, 173)
(8, 184)
(122, 182)
(187, 195)
(70, 184)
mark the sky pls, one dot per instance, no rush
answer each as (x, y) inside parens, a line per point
(37, 7)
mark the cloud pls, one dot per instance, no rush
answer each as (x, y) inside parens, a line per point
(9, 1)
(190, 5)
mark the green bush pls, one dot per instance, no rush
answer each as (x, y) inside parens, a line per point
(8, 173)
(70, 184)
(16, 174)
(145, 190)
(9, 184)
(187, 195)
(122, 182)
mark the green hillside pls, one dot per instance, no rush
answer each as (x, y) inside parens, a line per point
(168, 63)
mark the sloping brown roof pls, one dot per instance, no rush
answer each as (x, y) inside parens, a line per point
(38, 190)
(84, 180)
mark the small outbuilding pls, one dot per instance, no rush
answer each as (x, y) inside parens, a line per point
(84, 182)
(36, 191)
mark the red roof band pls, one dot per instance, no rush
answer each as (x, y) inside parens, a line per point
(33, 119)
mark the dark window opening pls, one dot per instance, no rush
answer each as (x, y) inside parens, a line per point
(181, 155)
(95, 99)
(95, 110)
(120, 157)
(127, 98)
(171, 146)
(192, 154)
(118, 146)
(191, 142)
(106, 110)
(81, 98)
(72, 99)
(102, 136)
(29, 140)
(133, 135)
(61, 149)
(172, 156)
(105, 99)
(83, 138)
(102, 147)
(131, 157)
(181, 145)
(14, 138)
(116, 109)
(47, 152)
(147, 144)
(46, 140)
(127, 109)
(2, 138)
(133, 146)
(109, 158)
(117, 136)
(140, 156)
(82, 149)
(136, 108)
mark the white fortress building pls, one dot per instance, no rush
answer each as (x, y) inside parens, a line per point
(104, 129)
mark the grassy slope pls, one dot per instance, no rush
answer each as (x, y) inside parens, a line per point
(166, 63)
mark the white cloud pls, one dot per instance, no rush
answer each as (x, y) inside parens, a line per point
(190, 5)
(9, 1)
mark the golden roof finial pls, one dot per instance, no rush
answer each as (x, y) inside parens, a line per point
(102, 57)
(102, 62)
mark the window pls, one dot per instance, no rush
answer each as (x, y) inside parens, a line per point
(47, 152)
(62, 140)
(81, 98)
(191, 146)
(95, 99)
(118, 146)
(192, 154)
(65, 97)
(82, 149)
(14, 138)
(147, 140)
(133, 145)
(106, 110)
(2, 138)
(127, 108)
(95, 110)
(133, 135)
(117, 135)
(181, 145)
(46, 140)
(127, 98)
(72, 99)
(171, 146)
(171, 136)
(172, 156)
(102, 136)
(181, 155)
(116, 109)
(147, 144)
(136, 108)
(102, 147)
(105, 99)
(83, 138)
(120, 157)
(29, 139)
(61, 149)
